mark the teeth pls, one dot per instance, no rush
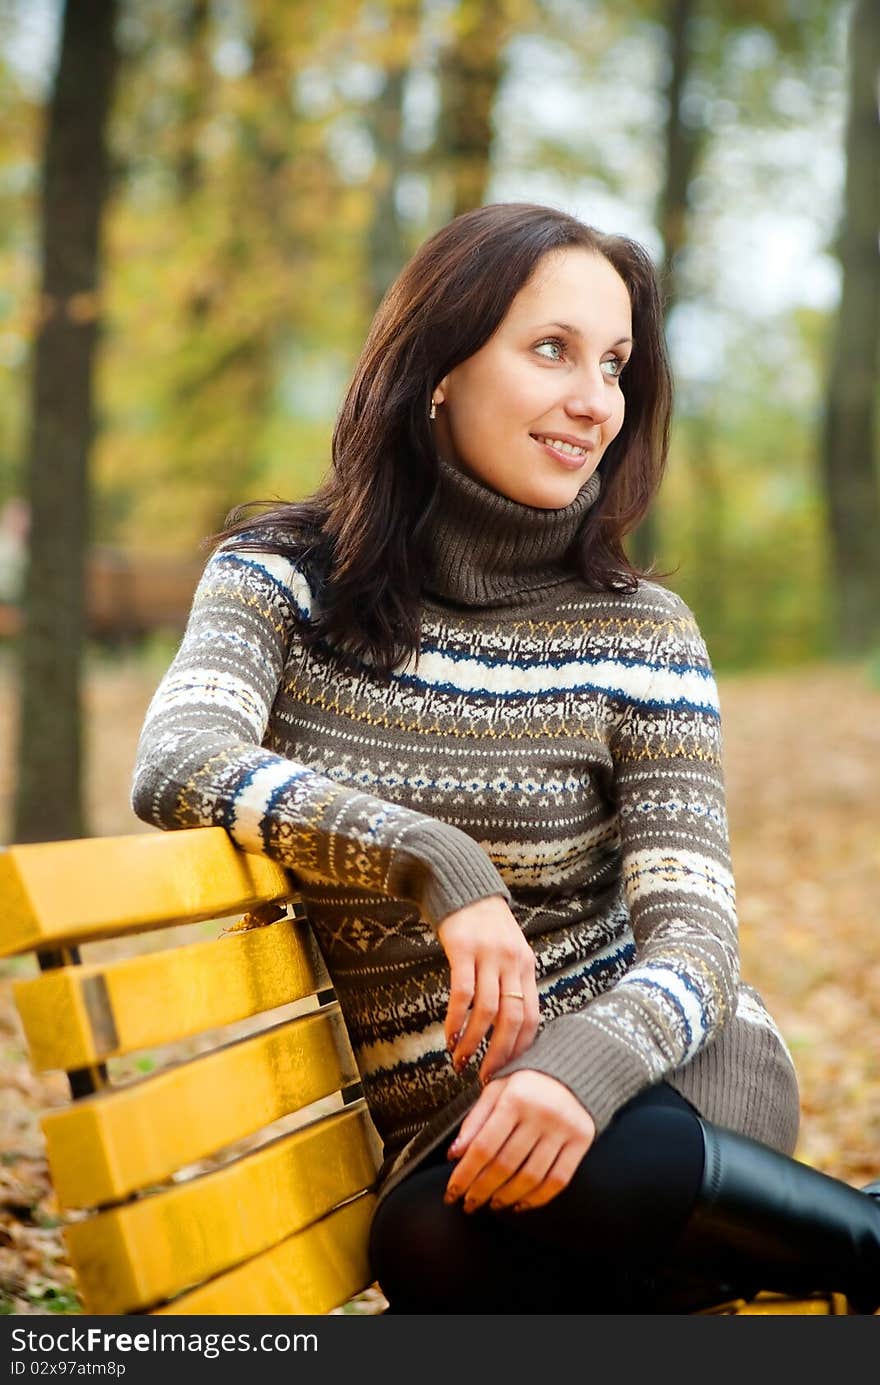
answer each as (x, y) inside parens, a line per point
(568, 447)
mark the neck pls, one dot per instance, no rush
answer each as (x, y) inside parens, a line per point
(486, 550)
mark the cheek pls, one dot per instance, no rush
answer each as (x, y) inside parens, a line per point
(615, 422)
(491, 399)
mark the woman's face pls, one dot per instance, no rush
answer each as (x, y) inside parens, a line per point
(549, 374)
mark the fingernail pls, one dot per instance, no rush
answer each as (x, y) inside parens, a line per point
(470, 1206)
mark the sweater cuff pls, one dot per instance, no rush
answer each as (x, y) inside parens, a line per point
(458, 870)
(601, 1071)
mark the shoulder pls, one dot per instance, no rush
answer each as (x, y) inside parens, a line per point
(667, 663)
(653, 603)
(270, 564)
(648, 625)
(665, 648)
(654, 618)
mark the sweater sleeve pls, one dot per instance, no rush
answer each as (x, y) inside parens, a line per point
(677, 881)
(201, 761)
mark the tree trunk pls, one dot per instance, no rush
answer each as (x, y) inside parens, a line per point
(470, 75)
(386, 240)
(683, 144)
(48, 802)
(195, 32)
(848, 445)
(707, 497)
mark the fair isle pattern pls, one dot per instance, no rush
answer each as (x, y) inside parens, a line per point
(566, 756)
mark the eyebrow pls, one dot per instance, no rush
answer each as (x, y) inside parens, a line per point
(576, 332)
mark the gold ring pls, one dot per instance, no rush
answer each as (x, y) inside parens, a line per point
(513, 995)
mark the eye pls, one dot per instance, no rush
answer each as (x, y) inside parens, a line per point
(617, 363)
(555, 344)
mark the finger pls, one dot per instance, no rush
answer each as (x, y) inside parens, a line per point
(482, 1149)
(483, 1011)
(558, 1176)
(531, 1013)
(533, 1001)
(499, 1170)
(508, 1024)
(528, 1177)
(461, 993)
(475, 1119)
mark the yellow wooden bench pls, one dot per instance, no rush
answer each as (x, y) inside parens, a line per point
(179, 1193)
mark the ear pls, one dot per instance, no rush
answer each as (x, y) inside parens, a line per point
(438, 394)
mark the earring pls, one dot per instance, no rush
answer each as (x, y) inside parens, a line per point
(433, 413)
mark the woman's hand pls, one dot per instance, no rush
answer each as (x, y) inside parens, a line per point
(492, 974)
(520, 1144)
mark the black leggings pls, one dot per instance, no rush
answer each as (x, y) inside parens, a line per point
(594, 1248)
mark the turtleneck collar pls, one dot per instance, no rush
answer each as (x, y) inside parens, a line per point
(484, 549)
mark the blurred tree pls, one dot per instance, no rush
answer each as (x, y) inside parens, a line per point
(215, 266)
(387, 242)
(48, 802)
(21, 133)
(682, 138)
(849, 434)
(195, 97)
(682, 143)
(471, 68)
(700, 40)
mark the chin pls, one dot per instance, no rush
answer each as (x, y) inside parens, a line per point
(553, 497)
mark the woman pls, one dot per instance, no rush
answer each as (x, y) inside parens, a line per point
(488, 751)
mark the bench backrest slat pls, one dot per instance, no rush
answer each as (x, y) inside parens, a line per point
(105, 1147)
(61, 893)
(312, 1272)
(81, 1015)
(146, 1251)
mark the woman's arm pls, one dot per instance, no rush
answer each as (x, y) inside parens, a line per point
(200, 760)
(678, 884)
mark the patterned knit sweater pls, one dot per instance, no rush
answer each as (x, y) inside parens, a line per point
(555, 746)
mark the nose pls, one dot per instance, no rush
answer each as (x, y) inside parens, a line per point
(590, 397)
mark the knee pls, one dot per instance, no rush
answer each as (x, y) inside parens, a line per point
(415, 1244)
(642, 1138)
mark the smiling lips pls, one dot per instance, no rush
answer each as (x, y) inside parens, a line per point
(563, 448)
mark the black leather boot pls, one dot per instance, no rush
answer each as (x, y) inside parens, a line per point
(764, 1221)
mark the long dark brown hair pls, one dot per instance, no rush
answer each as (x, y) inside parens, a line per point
(357, 536)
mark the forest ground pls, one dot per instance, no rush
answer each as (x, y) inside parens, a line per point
(802, 763)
